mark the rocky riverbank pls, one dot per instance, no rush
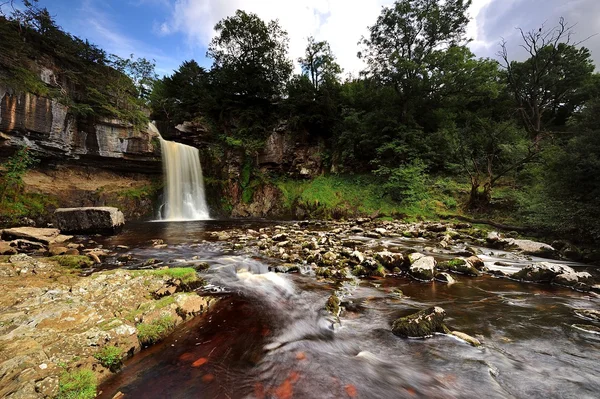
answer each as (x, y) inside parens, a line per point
(57, 326)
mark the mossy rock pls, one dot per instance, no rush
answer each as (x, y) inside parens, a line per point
(73, 261)
(333, 304)
(460, 266)
(422, 324)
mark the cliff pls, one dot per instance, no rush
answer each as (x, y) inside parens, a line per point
(57, 136)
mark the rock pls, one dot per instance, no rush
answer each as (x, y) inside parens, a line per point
(444, 277)
(590, 314)
(529, 247)
(543, 272)
(333, 304)
(351, 243)
(357, 257)
(328, 258)
(467, 338)
(44, 236)
(6, 249)
(459, 265)
(54, 251)
(422, 324)
(436, 228)
(103, 220)
(390, 260)
(587, 328)
(381, 231)
(476, 262)
(280, 237)
(571, 252)
(48, 387)
(27, 246)
(423, 269)
(576, 280)
(493, 237)
(413, 257)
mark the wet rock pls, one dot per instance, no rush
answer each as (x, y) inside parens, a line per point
(422, 324)
(90, 220)
(590, 314)
(44, 236)
(351, 243)
(423, 269)
(529, 247)
(381, 231)
(280, 237)
(444, 277)
(390, 260)
(333, 304)
(571, 252)
(413, 257)
(459, 265)
(467, 338)
(329, 258)
(476, 262)
(357, 257)
(577, 280)
(543, 272)
(436, 227)
(587, 328)
(27, 246)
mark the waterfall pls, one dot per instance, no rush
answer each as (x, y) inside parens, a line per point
(184, 197)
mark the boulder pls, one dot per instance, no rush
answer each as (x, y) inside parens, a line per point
(103, 220)
(44, 236)
(444, 278)
(6, 249)
(459, 265)
(423, 269)
(422, 324)
(543, 272)
(529, 247)
(390, 260)
(576, 280)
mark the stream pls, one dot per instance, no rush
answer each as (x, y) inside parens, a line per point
(270, 337)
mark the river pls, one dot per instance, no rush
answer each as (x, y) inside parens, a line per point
(270, 337)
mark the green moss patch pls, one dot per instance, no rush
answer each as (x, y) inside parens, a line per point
(73, 261)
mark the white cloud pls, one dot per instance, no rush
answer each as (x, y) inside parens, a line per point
(341, 22)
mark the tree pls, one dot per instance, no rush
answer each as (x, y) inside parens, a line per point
(399, 48)
(250, 57)
(319, 63)
(549, 80)
(140, 71)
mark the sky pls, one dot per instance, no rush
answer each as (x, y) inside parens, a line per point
(173, 31)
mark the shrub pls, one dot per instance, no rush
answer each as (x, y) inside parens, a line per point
(110, 357)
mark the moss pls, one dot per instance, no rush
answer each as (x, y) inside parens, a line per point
(77, 384)
(421, 324)
(379, 271)
(324, 272)
(333, 304)
(150, 333)
(73, 261)
(110, 357)
(187, 275)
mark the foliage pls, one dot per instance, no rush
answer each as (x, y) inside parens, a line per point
(319, 63)
(110, 357)
(150, 333)
(77, 384)
(405, 184)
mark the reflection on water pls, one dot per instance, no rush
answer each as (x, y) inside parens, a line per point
(270, 338)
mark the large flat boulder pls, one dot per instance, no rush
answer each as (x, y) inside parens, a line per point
(44, 236)
(103, 220)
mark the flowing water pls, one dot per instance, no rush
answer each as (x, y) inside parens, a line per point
(184, 197)
(268, 336)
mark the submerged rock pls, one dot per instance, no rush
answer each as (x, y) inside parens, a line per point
(467, 338)
(422, 324)
(423, 269)
(104, 220)
(590, 314)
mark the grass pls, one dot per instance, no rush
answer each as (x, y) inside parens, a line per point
(150, 333)
(78, 384)
(187, 275)
(110, 357)
(148, 306)
(73, 261)
(358, 195)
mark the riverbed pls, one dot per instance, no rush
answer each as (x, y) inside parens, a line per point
(270, 337)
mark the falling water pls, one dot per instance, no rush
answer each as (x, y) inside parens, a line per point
(184, 197)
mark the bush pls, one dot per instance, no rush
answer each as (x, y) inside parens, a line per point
(405, 184)
(79, 384)
(110, 357)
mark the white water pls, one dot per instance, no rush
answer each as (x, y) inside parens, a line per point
(184, 197)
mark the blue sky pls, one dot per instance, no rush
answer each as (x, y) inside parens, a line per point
(172, 31)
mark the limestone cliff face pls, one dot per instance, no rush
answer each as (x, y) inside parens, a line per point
(47, 127)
